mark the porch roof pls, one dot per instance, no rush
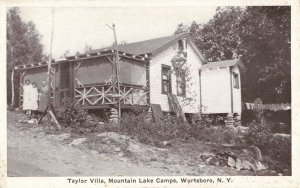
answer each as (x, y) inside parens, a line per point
(89, 55)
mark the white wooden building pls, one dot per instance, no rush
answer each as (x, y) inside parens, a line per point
(214, 87)
(146, 76)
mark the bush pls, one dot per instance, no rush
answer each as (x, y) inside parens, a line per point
(280, 149)
(216, 135)
(78, 119)
(141, 127)
(201, 120)
(277, 147)
(259, 135)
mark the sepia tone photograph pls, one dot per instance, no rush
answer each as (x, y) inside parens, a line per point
(148, 91)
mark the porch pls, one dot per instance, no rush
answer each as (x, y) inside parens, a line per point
(107, 95)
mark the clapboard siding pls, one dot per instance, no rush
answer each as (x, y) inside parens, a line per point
(192, 90)
(216, 90)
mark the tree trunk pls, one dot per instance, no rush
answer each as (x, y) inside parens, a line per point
(12, 104)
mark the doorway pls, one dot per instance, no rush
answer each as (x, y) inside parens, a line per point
(65, 81)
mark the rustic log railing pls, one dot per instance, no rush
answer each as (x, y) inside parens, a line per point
(102, 94)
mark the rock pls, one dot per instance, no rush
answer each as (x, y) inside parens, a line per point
(231, 162)
(77, 141)
(242, 129)
(118, 149)
(166, 143)
(260, 166)
(280, 174)
(238, 164)
(100, 123)
(64, 136)
(114, 136)
(114, 116)
(32, 121)
(94, 152)
(201, 166)
(207, 161)
(120, 154)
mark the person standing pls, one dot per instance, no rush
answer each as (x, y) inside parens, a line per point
(43, 101)
(26, 97)
(34, 97)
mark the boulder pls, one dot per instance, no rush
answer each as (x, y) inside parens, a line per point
(166, 143)
(64, 136)
(231, 162)
(94, 152)
(77, 141)
(238, 164)
(120, 154)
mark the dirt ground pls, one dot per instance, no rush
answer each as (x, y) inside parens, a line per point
(33, 150)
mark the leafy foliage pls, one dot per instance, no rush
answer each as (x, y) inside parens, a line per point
(23, 46)
(259, 135)
(71, 115)
(277, 147)
(140, 127)
(262, 35)
(79, 120)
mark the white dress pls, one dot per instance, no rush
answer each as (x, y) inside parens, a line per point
(34, 97)
(26, 96)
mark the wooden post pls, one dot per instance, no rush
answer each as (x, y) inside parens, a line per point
(118, 72)
(49, 110)
(148, 82)
(21, 87)
(12, 104)
(49, 69)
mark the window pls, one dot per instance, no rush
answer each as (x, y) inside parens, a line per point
(180, 79)
(236, 82)
(166, 79)
(180, 45)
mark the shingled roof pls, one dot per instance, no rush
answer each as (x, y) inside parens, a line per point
(136, 50)
(147, 46)
(225, 63)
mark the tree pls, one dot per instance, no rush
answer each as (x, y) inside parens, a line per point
(262, 36)
(23, 47)
(269, 57)
(181, 28)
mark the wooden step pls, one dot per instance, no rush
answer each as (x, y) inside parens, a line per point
(174, 103)
(157, 113)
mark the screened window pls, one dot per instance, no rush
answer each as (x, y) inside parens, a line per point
(181, 85)
(236, 81)
(166, 79)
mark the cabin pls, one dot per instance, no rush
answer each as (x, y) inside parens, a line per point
(149, 72)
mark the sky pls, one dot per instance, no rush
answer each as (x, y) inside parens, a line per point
(74, 28)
